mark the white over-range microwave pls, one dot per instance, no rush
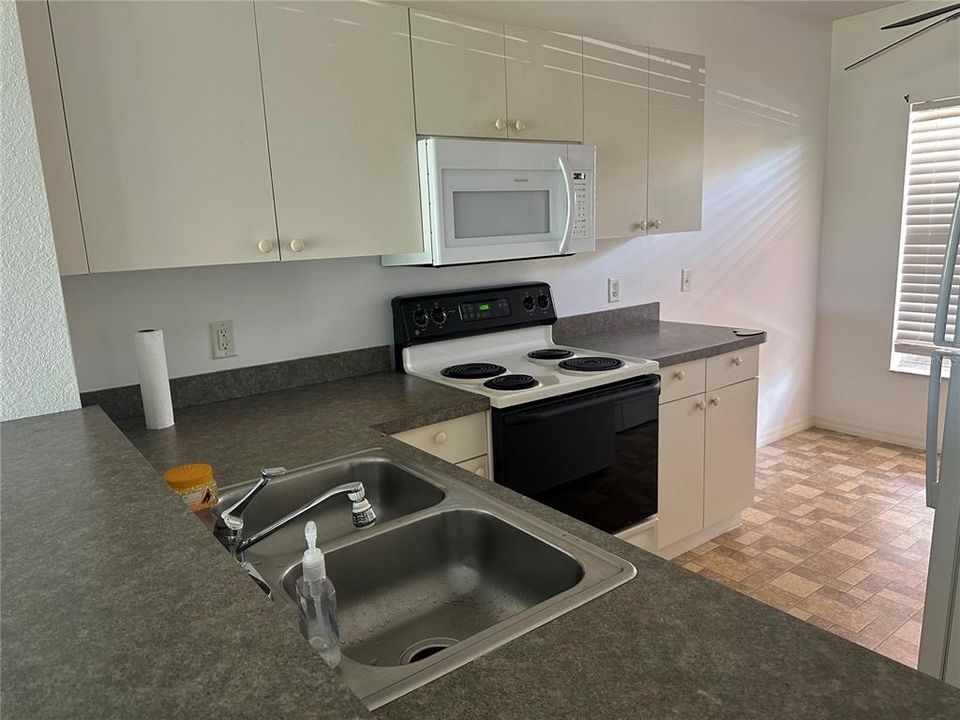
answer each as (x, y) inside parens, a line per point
(488, 200)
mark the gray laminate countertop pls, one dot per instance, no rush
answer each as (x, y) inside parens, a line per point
(118, 603)
(669, 343)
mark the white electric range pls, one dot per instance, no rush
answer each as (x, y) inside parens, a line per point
(572, 428)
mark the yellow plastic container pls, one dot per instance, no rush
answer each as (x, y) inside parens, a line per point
(194, 484)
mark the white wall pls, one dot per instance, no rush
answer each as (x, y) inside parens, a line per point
(855, 390)
(755, 262)
(36, 368)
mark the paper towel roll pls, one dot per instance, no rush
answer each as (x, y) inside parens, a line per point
(154, 381)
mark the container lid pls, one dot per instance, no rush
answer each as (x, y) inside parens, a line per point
(185, 476)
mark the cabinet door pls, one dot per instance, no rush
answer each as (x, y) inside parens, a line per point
(615, 109)
(41, 63)
(730, 450)
(544, 85)
(338, 93)
(458, 70)
(165, 116)
(676, 141)
(680, 474)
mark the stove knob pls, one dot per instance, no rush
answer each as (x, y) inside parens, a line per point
(528, 303)
(439, 315)
(543, 301)
(420, 317)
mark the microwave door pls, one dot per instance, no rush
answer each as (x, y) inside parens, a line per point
(491, 215)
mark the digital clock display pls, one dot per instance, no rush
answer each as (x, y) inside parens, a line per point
(485, 309)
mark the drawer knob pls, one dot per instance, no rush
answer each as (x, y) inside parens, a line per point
(499, 124)
(265, 246)
(702, 405)
(737, 360)
(440, 438)
(481, 471)
(680, 374)
(714, 401)
(297, 245)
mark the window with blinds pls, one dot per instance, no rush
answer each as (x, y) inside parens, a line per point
(930, 195)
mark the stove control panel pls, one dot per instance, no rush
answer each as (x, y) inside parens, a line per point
(440, 316)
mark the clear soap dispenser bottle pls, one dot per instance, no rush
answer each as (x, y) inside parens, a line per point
(317, 600)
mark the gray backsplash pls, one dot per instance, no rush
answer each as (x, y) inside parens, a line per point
(125, 402)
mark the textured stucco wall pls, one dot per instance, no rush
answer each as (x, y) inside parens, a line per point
(36, 366)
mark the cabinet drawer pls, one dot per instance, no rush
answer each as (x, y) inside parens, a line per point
(478, 466)
(683, 380)
(452, 440)
(733, 367)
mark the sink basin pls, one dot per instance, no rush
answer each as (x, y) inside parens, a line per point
(447, 573)
(393, 489)
(407, 595)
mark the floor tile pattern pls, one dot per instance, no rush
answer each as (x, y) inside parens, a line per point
(838, 536)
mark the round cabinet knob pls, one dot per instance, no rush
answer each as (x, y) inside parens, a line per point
(702, 405)
(520, 125)
(297, 245)
(440, 438)
(680, 374)
(714, 401)
(642, 225)
(481, 471)
(738, 360)
(499, 124)
(657, 223)
(265, 246)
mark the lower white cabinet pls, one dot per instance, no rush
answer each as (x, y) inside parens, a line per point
(730, 451)
(708, 448)
(681, 462)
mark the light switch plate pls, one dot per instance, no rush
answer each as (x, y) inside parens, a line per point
(221, 335)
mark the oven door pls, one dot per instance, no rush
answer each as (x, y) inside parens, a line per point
(591, 455)
(491, 215)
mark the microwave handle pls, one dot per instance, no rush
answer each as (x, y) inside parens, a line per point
(568, 186)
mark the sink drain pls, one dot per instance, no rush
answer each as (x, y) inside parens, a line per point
(425, 648)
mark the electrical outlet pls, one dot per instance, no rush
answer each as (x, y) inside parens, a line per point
(221, 334)
(686, 280)
(613, 290)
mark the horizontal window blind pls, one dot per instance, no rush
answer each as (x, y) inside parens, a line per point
(930, 195)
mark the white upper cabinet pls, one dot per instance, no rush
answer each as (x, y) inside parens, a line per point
(165, 117)
(338, 94)
(544, 85)
(676, 141)
(616, 98)
(54, 148)
(458, 68)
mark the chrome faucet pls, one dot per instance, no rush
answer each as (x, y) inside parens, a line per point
(229, 526)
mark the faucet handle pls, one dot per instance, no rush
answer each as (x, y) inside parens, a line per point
(232, 517)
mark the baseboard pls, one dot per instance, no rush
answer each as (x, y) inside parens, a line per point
(785, 429)
(872, 433)
(708, 533)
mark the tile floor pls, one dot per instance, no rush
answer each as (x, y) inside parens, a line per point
(839, 536)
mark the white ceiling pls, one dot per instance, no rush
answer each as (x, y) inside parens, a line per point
(828, 10)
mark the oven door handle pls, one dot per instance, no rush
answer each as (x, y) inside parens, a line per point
(568, 187)
(531, 416)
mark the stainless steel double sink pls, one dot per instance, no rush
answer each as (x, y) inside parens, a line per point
(447, 574)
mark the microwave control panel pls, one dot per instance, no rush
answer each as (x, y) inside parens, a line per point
(582, 201)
